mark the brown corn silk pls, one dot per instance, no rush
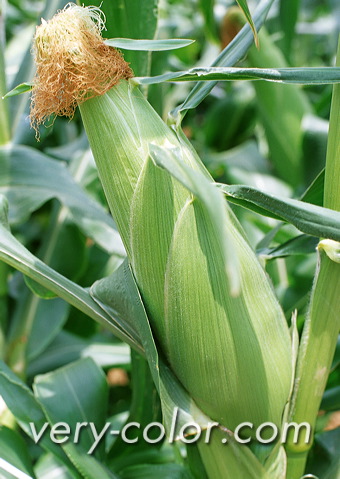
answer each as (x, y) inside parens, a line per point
(73, 63)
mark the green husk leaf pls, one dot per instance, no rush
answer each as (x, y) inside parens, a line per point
(235, 460)
(214, 203)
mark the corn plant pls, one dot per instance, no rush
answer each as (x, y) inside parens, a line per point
(211, 344)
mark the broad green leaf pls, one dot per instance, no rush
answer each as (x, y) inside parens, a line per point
(233, 53)
(148, 45)
(68, 347)
(34, 325)
(26, 409)
(306, 76)
(135, 19)
(14, 450)
(15, 254)
(30, 178)
(38, 290)
(18, 90)
(84, 385)
(324, 460)
(289, 10)
(285, 134)
(49, 319)
(310, 219)
(210, 25)
(331, 399)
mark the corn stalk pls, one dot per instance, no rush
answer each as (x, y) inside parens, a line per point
(322, 326)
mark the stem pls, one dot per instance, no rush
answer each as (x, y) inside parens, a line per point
(4, 115)
(322, 325)
(332, 172)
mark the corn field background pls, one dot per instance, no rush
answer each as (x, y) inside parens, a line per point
(252, 89)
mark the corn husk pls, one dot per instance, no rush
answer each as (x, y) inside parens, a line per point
(230, 351)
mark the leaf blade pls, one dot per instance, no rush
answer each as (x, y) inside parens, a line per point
(306, 76)
(148, 45)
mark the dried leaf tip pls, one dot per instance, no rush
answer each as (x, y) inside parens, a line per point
(73, 63)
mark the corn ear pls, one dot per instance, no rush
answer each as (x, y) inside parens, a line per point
(231, 352)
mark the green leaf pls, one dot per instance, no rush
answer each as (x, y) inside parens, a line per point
(38, 290)
(289, 10)
(210, 26)
(285, 134)
(145, 409)
(18, 90)
(233, 53)
(84, 385)
(49, 466)
(148, 45)
(14, 450)
(68, 347)
(314, 193)
(331, 399)
(15, 254)
(324, 459)
(310, 219)
(26, 409)
(30, 178)
(244, 6)
(50, 316)
(306, 76)
(302, 244)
